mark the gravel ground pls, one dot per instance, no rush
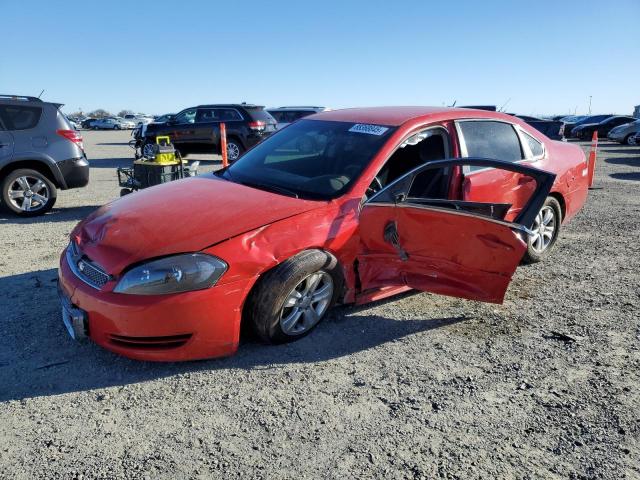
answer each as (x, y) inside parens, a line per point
(544, 386)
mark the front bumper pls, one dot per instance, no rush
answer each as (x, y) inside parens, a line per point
(184, 326)
(75, 172)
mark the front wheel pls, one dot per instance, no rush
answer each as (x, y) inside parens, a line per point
(292, 299)
(546, 229)
(28, 193)
(630, 140)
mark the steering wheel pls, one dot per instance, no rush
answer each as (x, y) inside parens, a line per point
(376, 186)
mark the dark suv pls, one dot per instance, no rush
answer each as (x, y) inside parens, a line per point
(197, 129)
(40, 152)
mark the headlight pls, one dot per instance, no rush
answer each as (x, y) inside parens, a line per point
(179, 273)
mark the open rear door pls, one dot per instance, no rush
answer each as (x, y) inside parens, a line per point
(439, 245)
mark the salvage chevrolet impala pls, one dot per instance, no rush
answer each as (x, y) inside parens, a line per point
(346, 206)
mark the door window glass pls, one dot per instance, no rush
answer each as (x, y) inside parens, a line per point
(227, 114)
(489, 139)
(188, 116)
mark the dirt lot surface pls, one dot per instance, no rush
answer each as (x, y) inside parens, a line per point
(545, 386)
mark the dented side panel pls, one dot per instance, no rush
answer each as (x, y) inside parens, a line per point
(448, 253)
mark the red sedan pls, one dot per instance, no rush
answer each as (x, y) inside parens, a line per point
(340, 207)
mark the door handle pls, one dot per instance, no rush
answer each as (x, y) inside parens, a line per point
(4, 145)
(391, 236)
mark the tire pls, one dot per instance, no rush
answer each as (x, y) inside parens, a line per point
(629, 139)
(147, 149)
(236, 147)
(538, 246)
(116, 127)
(38, 188)
(266, 310)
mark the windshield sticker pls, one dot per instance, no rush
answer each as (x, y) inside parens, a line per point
(369, 129)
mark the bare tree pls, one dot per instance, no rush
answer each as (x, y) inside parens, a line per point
(100, 113)
(122, 113)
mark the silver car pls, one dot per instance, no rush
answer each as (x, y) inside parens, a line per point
(108, 124)
(625, 133)
(40, 152)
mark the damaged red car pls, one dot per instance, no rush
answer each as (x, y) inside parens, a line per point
(346, 206)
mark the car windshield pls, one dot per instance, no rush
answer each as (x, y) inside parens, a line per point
(310, 158)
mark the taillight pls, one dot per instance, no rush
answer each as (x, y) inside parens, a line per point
(259, 125)
(72, 136)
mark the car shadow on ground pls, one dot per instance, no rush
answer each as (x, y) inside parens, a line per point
(631, 161)
(111, 162)
(113, 143)
(37, 357)
(634, 176)
(63, 214)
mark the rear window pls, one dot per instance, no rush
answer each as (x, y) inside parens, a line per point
(259, 114)
(19, 117)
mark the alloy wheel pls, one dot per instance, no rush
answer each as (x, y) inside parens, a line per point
(233, 151)
(306, 303)
(544, 229)
(28, 193)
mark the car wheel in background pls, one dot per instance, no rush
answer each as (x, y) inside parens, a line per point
(116, 127)
(630, 139)
(234, 149)
(291, 300)
(546, 229)
(148, 149)
(28, 193)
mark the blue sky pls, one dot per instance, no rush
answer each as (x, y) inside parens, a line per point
(159, 57)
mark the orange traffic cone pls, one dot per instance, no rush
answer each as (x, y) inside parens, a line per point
(591, 163)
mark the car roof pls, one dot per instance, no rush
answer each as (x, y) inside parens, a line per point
(396, 116)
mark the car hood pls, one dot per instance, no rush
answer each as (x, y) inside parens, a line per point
(181, 216)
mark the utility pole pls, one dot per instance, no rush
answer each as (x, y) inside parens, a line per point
(590, 104)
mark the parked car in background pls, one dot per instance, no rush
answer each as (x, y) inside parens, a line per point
(197, 129)
(110, 123)
(141, 128)
(585, 131)
(163, 118)
(625, 133)
(126, 124)
(346, 206)
(40, 152)
(286, 115)
(87, 123)
(551, 128)
(570, 126)
(138, 118)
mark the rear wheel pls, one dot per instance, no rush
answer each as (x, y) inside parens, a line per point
(234, 149)
(630, 139)
(292, 299)
(546, 229)
(28, 193)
